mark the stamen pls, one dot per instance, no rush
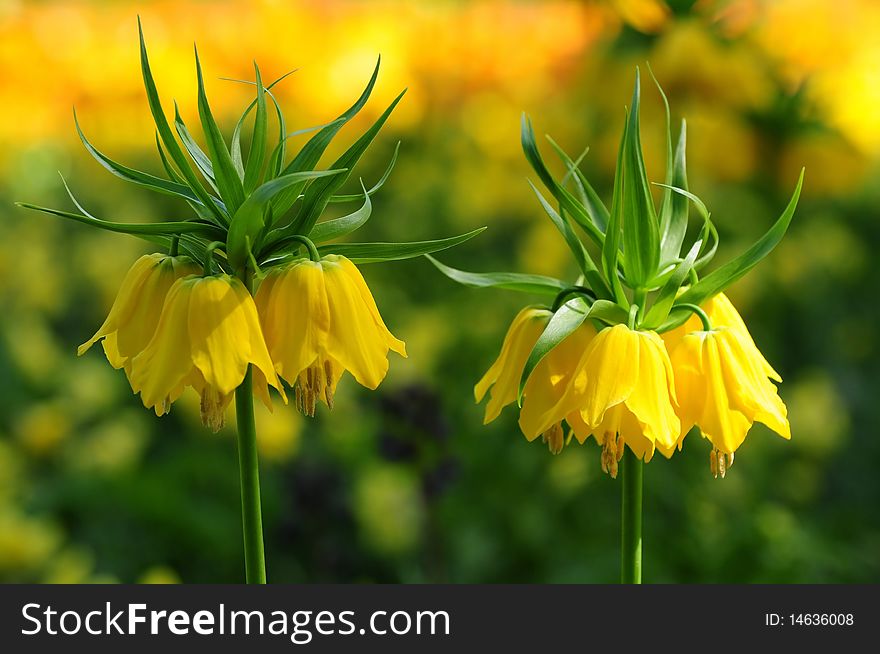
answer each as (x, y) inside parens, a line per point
(328, 388)
(555, 438)
(213, 415)
(612, 451)
(719, 462)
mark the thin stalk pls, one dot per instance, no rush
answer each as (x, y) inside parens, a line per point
(631, 519)
(249, 471)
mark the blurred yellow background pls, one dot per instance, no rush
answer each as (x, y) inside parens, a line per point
(405, 484)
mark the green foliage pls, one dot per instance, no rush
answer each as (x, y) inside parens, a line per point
(642, 269)
(248, 202)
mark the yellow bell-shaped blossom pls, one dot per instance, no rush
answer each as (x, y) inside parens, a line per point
(723, 388)
(319, 320)
(138, 304)
(624, 390)
(546, 386)
(207, 336)
(722, 313)
(501, 380)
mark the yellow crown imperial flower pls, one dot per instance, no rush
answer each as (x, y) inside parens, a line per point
(721, 313)
(135, 312)
(624, 389)
(319, 320)
(501, 380)
(545, 385)
(207, 336)
(724, 388)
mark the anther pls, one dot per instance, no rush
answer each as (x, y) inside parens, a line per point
(612, 451)
(555, 438)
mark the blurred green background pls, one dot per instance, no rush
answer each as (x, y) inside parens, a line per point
(404, 484)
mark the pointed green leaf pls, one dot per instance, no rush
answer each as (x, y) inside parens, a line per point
(200, 159)
(583, 258)
(319, 193)
(566, 200)
(331, 229)
(308, 157)
(666, 296)
(611, 254)
(538, 284)
(225, 175)
(377, 252)
(722, 277)
(376, 186)
(248, 222)
(588, 196)
(258, 140)
(181, 227)
(167, 136)
(674, 215)
(131, 175)
(641, 238)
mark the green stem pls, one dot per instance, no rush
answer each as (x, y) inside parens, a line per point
(631, 519)
(249, 471)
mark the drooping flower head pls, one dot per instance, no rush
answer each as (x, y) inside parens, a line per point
(319, 320)
(207, 336)
(544, 386)
(624, 390)
(724, 384)
(135, 312)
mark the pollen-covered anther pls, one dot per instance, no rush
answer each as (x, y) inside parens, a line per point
(555, 438)
(314, 383)
(213, 413)
(719, 462)
(612, 451)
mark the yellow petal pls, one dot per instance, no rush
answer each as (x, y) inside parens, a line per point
(722, 313)
(721, 423)
(394, 344)
(548, 382)
(504, 375)
(751, 392)
(611, 372)
(160, 372)
(295, 316)
(652, 395)
(355, 340)
(225, 333)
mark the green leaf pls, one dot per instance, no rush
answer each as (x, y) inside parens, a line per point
(201, 160)
(566, 200)
(674, 214)
(666, 296)
(276, 159)
(611, 254)
(583, 258)
(181, 227)
(174, 150)
(131, 175)
(564, 322)
(331, 229)
(248, 222)
(318, 194)
(588, 196)
(538, 284)
(258, 140)
(376, 186)
(641, 238)
(225, 175)
(722, 277)
(377, 252)
(307, 158)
